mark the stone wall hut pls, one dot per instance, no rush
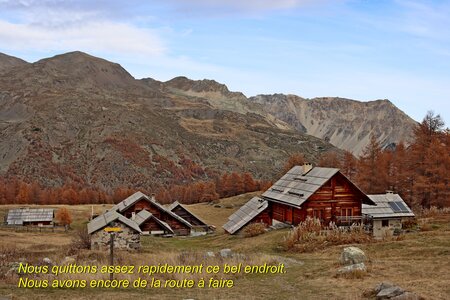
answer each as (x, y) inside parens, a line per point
(388, 214)
(128, 238)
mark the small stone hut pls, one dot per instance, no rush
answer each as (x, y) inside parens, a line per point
(128, 238)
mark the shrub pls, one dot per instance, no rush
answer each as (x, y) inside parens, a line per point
(81, 240)
(309, 235)
(64, 217)
(254, 229)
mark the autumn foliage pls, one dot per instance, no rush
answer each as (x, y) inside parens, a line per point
(63, 216)
(418, 172)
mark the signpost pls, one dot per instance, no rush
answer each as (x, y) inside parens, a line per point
(112, 233)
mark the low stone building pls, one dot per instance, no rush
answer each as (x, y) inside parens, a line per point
(128, 238)
(388, 214)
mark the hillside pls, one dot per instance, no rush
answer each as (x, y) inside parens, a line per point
(78, 118)
(345, 123)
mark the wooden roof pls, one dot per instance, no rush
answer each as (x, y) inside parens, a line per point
(107, 218)
(388, 205)
(294, 188)
(19, 216)
(245, 214)
(144, 215)
(178, 204)
(128, 202)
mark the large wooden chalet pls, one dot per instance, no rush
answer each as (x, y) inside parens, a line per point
(323, 193)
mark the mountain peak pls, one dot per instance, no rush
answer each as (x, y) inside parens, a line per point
(7, 62)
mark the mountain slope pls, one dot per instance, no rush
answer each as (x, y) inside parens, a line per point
(8, 62)
(78, 118)
(345, 123)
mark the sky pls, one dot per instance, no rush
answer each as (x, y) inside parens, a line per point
(358, 49)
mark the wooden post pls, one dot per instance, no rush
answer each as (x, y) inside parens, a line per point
(111, 253)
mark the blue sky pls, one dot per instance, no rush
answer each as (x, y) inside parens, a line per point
(365, 50)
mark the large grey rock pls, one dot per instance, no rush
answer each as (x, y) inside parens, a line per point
(390, 292)
(352, 268)
(47, 261)
(225, 253)
(407, 296)
(382, 286)
(352, 255)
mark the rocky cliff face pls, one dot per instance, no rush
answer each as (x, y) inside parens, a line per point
(79, 118)
(347, 124)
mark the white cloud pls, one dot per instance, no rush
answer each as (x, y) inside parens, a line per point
(99, 36)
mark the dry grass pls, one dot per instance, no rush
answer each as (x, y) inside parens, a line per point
(418, 262)
(254, 229)
(309, 236)
(217, 213)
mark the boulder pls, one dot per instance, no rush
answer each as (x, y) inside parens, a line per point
(225, 253)
(390, 292)
(407, 296)
(352, 255)
(352, 268)
(210, 254)
(382, 286)
(47, 261)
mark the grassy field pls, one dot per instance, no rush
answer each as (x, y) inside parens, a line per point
(419, 262)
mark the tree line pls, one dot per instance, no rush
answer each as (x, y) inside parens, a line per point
(17, 191)
(418, 172)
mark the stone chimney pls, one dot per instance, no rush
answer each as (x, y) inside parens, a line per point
(152, 197)
(133, 216)
(306, 167)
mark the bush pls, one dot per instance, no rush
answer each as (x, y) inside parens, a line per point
(82, 240)
(309, 235)
(254, 229)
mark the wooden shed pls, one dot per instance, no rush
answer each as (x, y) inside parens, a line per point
(30, 217)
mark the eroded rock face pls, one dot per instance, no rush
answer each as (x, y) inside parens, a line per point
(352, 255)
(345, 123)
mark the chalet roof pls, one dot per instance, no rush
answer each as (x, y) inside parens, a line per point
(387, 206)
(109, 217)
(144, 215)
(122, 206)
(176, 204)
(294, 188)
(245, 214)
(18, 216)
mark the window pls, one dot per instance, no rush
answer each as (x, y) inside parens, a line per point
(346, 212)
(318, 214)
(384, 223)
